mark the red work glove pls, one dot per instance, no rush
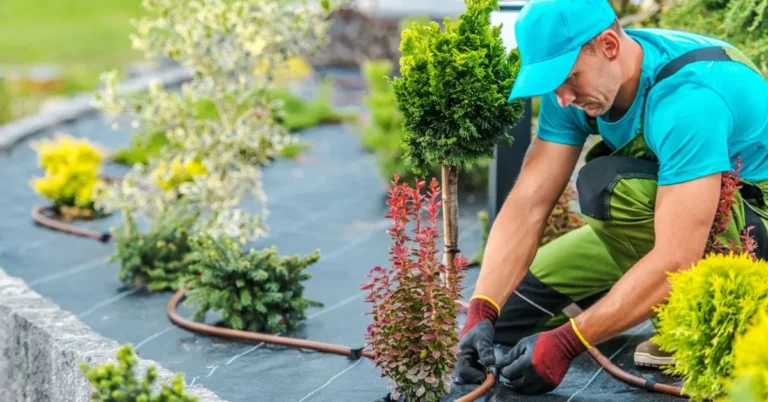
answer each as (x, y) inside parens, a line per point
(476, 342)
(538, 363)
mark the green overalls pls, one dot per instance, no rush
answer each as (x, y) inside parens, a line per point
(617, 196)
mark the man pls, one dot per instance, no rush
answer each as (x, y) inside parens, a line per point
(674, 111)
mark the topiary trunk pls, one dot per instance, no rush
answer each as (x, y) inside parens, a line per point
(450, 179)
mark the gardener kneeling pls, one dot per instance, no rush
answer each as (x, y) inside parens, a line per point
(674, 111)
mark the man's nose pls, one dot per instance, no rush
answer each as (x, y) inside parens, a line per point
(564, 97)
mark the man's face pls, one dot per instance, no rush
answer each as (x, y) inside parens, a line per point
(592, 84)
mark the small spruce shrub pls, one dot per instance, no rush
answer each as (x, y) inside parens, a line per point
(750, 362)
(72, 168)
(414, 330)
(154, 260)
(709, 306)
(257, 291)
(120, 383)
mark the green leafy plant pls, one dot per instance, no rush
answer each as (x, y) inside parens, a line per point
(750, 363)
(741, 22)
(709, 306)
(120, 383)
(257, 291)
(296, 113)
(414, 330)
(383, 134)
(453, 97)
(223, 117)
(141, 148)
(157, 259)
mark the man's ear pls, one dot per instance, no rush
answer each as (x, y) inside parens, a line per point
(608, 44)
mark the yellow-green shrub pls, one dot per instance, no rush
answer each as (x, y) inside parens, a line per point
(709, 306)
(750, 363)
(122, 382)
(72, 167)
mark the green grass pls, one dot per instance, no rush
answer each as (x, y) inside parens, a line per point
(82, 37)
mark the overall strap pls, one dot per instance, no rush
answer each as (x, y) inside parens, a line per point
(713, 53)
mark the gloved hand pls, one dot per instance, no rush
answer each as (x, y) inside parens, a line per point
(538, 363)
(476, 342)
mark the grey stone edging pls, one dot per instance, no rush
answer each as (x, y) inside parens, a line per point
(72, 108)
(42, 346)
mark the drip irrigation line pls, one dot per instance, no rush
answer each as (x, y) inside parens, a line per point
(354, 354)
(38, 215)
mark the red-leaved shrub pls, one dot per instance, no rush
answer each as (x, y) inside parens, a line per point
(562, 219)
(730, 185)
(414, 331)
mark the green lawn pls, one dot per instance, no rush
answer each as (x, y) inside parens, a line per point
(83, 37)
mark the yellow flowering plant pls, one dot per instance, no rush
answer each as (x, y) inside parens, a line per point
(72, 167)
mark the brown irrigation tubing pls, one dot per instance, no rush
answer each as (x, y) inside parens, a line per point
(633, 379)
(39, 217)
(297, 343)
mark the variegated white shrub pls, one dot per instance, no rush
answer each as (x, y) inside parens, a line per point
(221, 118)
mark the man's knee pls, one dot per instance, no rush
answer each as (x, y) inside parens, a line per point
(604, 180)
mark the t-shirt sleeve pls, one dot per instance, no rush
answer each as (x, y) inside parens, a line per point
(689, 130)
(559, 124)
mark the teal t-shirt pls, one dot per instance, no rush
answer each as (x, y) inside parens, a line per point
(699, 121)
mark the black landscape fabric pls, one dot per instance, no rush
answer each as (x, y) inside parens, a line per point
(332, 198)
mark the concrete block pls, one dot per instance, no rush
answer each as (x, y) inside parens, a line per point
(42, 346)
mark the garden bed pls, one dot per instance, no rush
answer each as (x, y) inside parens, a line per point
(341, 214)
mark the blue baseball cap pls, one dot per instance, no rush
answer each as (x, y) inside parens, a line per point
(550, 34)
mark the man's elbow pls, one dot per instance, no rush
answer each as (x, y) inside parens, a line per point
(682, 256)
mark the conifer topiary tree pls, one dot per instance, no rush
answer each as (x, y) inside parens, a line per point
(453, 97)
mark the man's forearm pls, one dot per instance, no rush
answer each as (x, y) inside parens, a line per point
(678, 245)
(631, 300)
(516, 232)
(511, 246)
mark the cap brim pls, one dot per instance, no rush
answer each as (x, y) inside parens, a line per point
(545, 76)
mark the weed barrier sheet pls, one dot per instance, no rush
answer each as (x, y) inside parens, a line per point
(333, 199)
